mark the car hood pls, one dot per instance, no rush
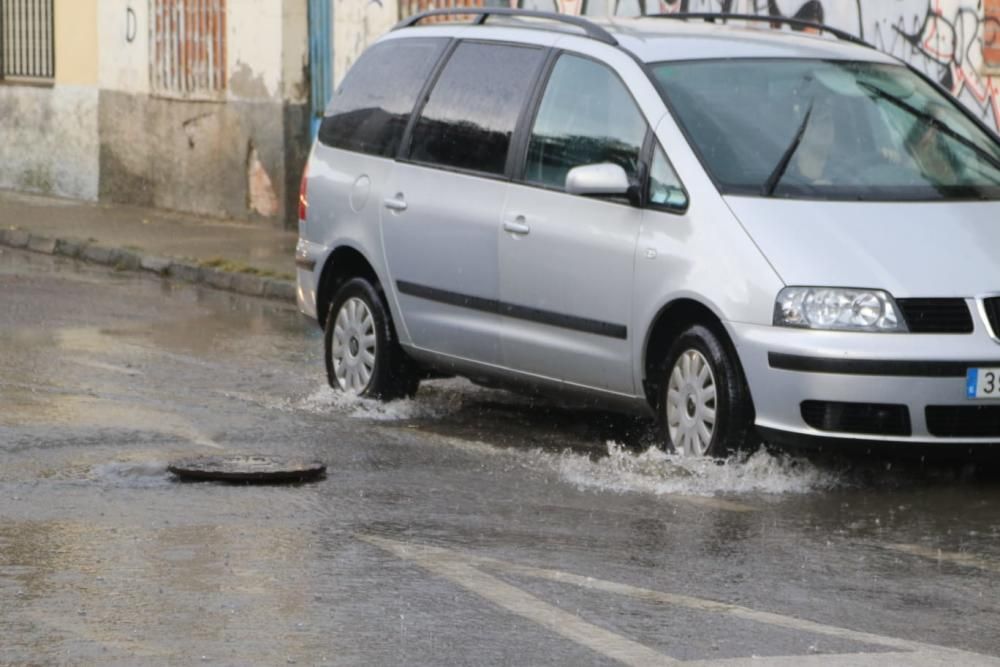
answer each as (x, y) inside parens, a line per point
(925, 249)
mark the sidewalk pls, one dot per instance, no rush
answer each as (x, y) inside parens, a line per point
(248, 258)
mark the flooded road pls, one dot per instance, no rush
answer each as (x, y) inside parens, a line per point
(465, 526)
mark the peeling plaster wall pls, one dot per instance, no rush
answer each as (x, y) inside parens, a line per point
(48, 140)
(194, 155)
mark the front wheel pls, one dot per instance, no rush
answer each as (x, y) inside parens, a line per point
(705, 405)
(363, 357)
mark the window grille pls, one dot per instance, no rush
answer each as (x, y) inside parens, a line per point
(188, 48)
(27, 47)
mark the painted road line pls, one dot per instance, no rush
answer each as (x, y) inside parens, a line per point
(446, 564)
(954, 557)
(838, 660)
(916, 653)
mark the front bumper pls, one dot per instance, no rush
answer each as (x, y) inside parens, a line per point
(786, 367)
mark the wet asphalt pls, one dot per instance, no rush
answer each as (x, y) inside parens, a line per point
(465, 527)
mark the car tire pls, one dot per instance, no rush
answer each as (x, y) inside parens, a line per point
(704, 407)
(363, 356)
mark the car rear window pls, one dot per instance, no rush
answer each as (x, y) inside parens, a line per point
(370, 110)
(470, 115)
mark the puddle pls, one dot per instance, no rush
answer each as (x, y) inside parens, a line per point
(132, 474)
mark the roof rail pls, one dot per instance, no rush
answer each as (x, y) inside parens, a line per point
(592, 30)
(710, 17)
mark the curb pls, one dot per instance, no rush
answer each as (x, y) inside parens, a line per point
(121, 259)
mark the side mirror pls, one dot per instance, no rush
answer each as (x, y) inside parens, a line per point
(598, 180)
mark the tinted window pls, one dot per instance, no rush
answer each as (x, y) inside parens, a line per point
(369, 111)
(471, 113)
(586, 117)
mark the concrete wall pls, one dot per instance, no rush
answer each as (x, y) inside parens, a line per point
(48, 133)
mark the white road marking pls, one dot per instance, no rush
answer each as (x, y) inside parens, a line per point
(955, 557)
(570, 626)
(837, 660)
(465, 570)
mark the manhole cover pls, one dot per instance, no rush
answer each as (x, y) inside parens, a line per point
(247, 469)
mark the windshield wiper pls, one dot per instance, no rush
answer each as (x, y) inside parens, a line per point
(779, 169)
(932, 121)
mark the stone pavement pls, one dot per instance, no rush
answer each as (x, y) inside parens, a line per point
(254, 259)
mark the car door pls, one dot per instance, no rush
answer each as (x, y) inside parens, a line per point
(443, 201)
(566, 261)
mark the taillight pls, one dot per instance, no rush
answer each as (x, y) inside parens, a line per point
(303, 198)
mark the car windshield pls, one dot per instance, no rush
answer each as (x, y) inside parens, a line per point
(812, 129)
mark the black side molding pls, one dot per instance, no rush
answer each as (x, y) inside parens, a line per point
(930, 369)
(582, 324)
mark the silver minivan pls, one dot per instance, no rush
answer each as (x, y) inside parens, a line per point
(749, 233)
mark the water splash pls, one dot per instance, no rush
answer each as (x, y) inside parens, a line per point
(659, 473)
(438, 398)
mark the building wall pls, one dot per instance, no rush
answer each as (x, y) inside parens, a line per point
(48, 133)
(239, 155)
(356, 24)
(101, 132)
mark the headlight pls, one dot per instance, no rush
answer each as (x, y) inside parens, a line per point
(837, 309)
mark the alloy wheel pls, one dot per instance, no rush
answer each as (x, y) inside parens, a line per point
(691, 404)
(354, 346)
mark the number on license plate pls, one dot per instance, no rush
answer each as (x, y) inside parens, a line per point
(982, 383)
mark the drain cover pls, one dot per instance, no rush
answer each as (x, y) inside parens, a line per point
(247, 469)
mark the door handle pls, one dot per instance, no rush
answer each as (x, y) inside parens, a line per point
(517, 226)
(396, 203)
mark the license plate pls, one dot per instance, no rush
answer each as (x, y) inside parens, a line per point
(982, 383)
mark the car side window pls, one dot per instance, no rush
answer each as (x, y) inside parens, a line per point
(665, 189)
(371, 108)
(587, 116)
(470, 115)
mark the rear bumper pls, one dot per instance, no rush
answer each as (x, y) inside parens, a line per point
(906, 372)
(307, 268)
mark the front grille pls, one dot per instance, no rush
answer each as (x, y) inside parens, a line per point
(992, 308)
(963, 421)
(948, 316)
(869, 418)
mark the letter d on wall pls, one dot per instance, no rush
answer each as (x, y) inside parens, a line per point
(131, 25)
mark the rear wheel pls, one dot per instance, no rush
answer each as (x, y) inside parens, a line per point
(705, 406)
(363, 357)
